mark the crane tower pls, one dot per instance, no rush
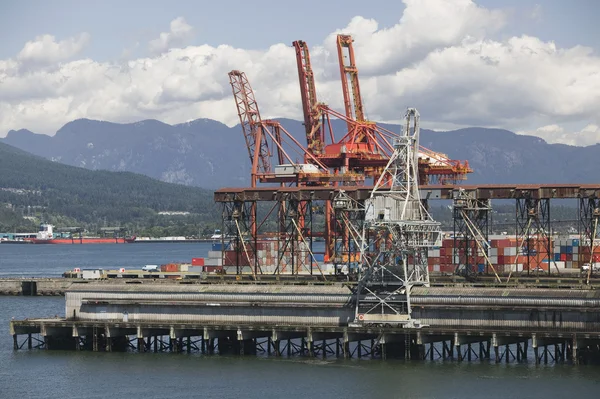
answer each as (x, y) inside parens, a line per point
(396, 235)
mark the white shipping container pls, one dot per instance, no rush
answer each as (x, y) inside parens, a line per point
(436, 268)
(494, 260)
(559, 264)
(575, 250)
(493, 251)
(213, 262)
(91, 274)
(214, 254)
(517, 267)
(510, 251)
(575, 257)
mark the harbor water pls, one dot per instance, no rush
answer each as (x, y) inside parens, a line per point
(70, 374)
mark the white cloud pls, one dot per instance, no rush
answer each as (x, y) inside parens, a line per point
(179, 32)
(589, 135)
(45, 50)
(439, 58)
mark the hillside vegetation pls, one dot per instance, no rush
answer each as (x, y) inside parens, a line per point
(70, 196)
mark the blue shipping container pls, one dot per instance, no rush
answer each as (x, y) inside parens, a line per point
(569, 249)
(575, 242)
(563, 249)
(481, 268)
(217, 246)
(557, 257)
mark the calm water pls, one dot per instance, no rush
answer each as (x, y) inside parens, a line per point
(42, 374)
(23, 260)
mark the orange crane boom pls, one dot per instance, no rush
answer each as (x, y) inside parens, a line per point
(252, 126)
(312, 116)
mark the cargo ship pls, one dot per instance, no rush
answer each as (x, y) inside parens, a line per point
(45, 235)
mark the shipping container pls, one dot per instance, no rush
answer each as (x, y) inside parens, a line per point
(213, 262)
(197, 261)
(510, 251)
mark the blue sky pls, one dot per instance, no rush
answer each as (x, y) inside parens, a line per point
(53, 81)
(116, 25)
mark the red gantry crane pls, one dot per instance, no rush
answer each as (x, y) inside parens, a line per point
(365, 148)
(362, 152)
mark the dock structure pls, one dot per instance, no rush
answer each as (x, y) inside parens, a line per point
(463, 324)
(44, 286)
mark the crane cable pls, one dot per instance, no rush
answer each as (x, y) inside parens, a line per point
(245, 250)
(520, 247)
(478, 235)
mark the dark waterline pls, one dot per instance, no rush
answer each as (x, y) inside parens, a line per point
(49, 374)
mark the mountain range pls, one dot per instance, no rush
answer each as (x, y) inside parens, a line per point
(209, 154)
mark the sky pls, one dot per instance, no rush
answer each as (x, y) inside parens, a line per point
(532, 67)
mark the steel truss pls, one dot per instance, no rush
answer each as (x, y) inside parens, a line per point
(533, 225)
(349, 216)
(397, 233)
(295, 241)
(589, 216)
(239, 227)
(471, 232)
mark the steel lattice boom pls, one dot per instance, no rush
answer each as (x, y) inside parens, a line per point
(397, 233)
(256, 140)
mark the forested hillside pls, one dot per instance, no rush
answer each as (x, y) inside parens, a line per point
(66, 195)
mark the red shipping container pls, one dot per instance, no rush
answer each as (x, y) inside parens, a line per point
(172, 267)
(197, 261)
(212, 269)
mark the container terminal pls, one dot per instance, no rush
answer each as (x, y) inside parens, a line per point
(365, 193)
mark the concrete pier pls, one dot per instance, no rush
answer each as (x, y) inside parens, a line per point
(459, 324)
(425, 344)
(58, 286)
